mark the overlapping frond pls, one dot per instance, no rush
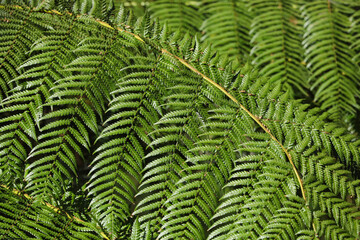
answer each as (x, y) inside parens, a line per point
(192, 204)
(334, 76)
(261, 189)
(118, 163)
(334, 197)
(175, 134)
(178, 14)
(182, 144)
(75, 107)
(276, 33)
(23, 109)
(227, 26)
(23, 218)
(287, 122)
(355, 36)
(19, 28)
(265, 213)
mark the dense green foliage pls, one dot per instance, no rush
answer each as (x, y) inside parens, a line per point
(195, 120)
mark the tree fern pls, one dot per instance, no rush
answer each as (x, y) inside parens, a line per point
(181, 143)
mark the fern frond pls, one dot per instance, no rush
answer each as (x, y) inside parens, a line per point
(295, 125)
(174, 136)
(334, 197)
(289, 220)
(266, 199)
(19, 28)
(355, 34)
(23, 107)
(73, 111)
(137, 232)
(227, 27)
(178, 14)
(22, 217)
(252, 186)
(334, 213)
(280, 122)
(244, 181)
(276, 31)
(192, 204)
(280, 114)
(118, 163)
(328, 55)
(191, 146)
(237, 189)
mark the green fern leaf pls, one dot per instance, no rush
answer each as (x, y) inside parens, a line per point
(178, 14)
(329, 58)
(74, 107)
(276, 31)
(25, 100)
(227, 27)
(118, 163)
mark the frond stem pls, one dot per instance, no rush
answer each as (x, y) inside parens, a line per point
(222, 89)
(256, 119)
